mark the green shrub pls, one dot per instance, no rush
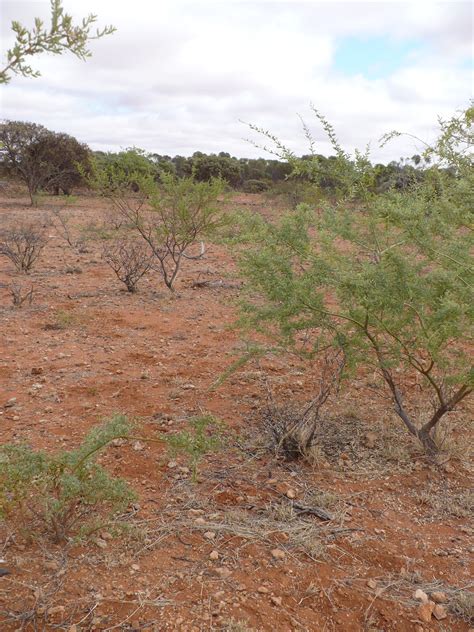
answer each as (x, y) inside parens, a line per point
(67, 493)
(255, 186)
(386, 278)
(204, 436)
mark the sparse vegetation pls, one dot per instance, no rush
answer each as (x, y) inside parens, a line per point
(130, 261)
(204, 436)
(66, 493)
(23, 245)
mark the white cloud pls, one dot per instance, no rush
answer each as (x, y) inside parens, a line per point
(177, 77)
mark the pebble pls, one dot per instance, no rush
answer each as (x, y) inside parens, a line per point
(420, 595)
(209, 535)
(425, 610)
(439, 597)
(276, 601)
(278, 554)
(439, 612)
(371, 583)
(213, 555)
(291, 493)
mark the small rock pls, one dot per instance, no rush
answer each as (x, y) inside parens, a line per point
(370, 439)
(102, 544)
(439, 597)
(171, 465)
(291, 493)
(448, 468)
(213, 555)
(135, 567)
(36, 370)
(425, 610)
(276, 601)
(223, 572)
(371, 583)
(439, 612)
(209, 535)
(10, 403)
(263, 590)
(200, 521)
(278, 554)
(420, 595)
(56, 610)
(138, 446)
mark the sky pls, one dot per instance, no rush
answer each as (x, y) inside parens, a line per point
(179, 77)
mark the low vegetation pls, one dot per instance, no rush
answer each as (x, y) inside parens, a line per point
(67, 493)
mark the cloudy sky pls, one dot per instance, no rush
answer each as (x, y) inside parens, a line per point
(180, 76)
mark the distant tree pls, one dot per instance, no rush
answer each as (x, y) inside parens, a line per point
(40, 157)
(63, 154)
(61, 36)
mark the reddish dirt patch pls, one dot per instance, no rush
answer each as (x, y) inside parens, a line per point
(86, 349)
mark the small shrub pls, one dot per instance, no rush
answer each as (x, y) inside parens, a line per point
(63, 228)
(67, 492)
(205, 436)
(23, 245)
(293, 433)
(255, 186)
(129, 260)
(20, 295)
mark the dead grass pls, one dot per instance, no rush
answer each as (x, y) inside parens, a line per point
(462, 605)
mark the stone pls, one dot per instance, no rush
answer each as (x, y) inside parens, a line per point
(223, 572)
(276, 601)
(439, 597)
(209, 535)
(263, 590)
(10, 402)
(371, 583)
(200, 521)
(420, 595)
(213, 555)
(102, 544)
(278, 554)
(291, 493)
(370, 439)
(425, 610)
(439, 612)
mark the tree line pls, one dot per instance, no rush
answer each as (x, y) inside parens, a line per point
(52, 162)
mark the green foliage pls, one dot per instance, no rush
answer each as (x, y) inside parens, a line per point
(67, 492)
(169, 213)
(61, 36)
(386, 277)
(41, 158)
(204, 436)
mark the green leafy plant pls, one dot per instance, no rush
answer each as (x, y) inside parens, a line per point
(67, 493)
(170, 215)
(63, 35)
(386, 278)
(204, 436)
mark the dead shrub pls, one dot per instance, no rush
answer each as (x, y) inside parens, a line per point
(23, 245)
(129, 260)
(20, 295)
(293, 433)
(63, 228)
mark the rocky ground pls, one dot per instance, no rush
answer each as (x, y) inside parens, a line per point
(237, 549)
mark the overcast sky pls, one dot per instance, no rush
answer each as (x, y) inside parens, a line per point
(179, 76)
